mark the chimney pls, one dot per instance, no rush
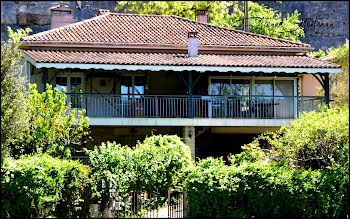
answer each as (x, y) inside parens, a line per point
(102, 12)
(202, 15)
(192, 45)
(61, 15)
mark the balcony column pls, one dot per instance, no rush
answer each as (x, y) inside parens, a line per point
(326, 88)
(45, 77)
(190, 139)
(324, 81)
(190, 95)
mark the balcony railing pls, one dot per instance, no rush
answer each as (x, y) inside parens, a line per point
(177, 106)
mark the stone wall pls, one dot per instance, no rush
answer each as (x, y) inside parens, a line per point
(326, 23)
(36, 14)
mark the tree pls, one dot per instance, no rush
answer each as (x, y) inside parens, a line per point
(13, 90)
(263, 20)
(339, 83)
(54, 127)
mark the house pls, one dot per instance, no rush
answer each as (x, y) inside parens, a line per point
(141, 74)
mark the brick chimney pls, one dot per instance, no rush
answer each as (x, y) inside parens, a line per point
(202, 15)
(102, 12)
(61, 15)
(192, 45)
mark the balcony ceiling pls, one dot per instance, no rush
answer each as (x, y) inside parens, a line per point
(176, 61)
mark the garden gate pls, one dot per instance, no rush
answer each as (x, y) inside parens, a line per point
(142, 203)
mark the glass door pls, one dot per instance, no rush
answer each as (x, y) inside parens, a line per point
(218, 104)
(263, 107)
(74, 86)
(284, 106)
(239, 104)
(132, 98)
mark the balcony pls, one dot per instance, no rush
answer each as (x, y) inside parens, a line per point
(203, 107)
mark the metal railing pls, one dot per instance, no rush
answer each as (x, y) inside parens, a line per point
(177, 106)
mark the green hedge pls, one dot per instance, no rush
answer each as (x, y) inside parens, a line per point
(43, 186)
(265, 190)
(158, 162)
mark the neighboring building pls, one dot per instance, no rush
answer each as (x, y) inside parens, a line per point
(137, 74)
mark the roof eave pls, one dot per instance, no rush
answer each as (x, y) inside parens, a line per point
(141, 46)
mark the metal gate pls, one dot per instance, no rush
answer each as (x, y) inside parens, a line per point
(176, 203)
(139, 203)
(142, 203)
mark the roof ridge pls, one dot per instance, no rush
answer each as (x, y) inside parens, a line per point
(67, 26)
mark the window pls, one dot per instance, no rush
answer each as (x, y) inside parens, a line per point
(61, 82)
(73, 86)
(133, 85)
(249, 97)
(229, 87)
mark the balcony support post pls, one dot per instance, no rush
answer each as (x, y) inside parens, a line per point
(190, 95)
(189, 137)
(324, 81)
(45, 78)
(326, 88)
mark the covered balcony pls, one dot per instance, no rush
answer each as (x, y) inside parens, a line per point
(201, 106)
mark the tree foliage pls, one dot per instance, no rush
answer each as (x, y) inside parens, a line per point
(54, 127)
(13, 90)
(316, 140)
(339, 83)
(263, 20)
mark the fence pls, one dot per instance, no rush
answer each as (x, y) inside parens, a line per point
(171, 106)
(142, 203)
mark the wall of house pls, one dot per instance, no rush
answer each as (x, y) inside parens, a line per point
(309, 85)
(165, 83)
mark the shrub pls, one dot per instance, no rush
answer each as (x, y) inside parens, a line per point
(54, 128)
(262, 189)
(158, 162)
(315, 140)
(161, 161)
(42, 186)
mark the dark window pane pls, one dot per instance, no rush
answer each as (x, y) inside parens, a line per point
(61, 82)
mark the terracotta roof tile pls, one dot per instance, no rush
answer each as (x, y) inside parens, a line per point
(175, 59)
(155, 29)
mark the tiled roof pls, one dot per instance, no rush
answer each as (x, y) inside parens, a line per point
(175, 59)
(156, 30)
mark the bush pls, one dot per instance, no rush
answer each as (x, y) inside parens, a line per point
(42, 186)
(54, 128)
(315, 140)
(265, 190)
(158, 162)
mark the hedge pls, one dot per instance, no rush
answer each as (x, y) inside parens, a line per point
(265, 190)
(43, 186)
(159, 162)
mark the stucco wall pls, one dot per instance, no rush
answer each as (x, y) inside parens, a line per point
(309, 85)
